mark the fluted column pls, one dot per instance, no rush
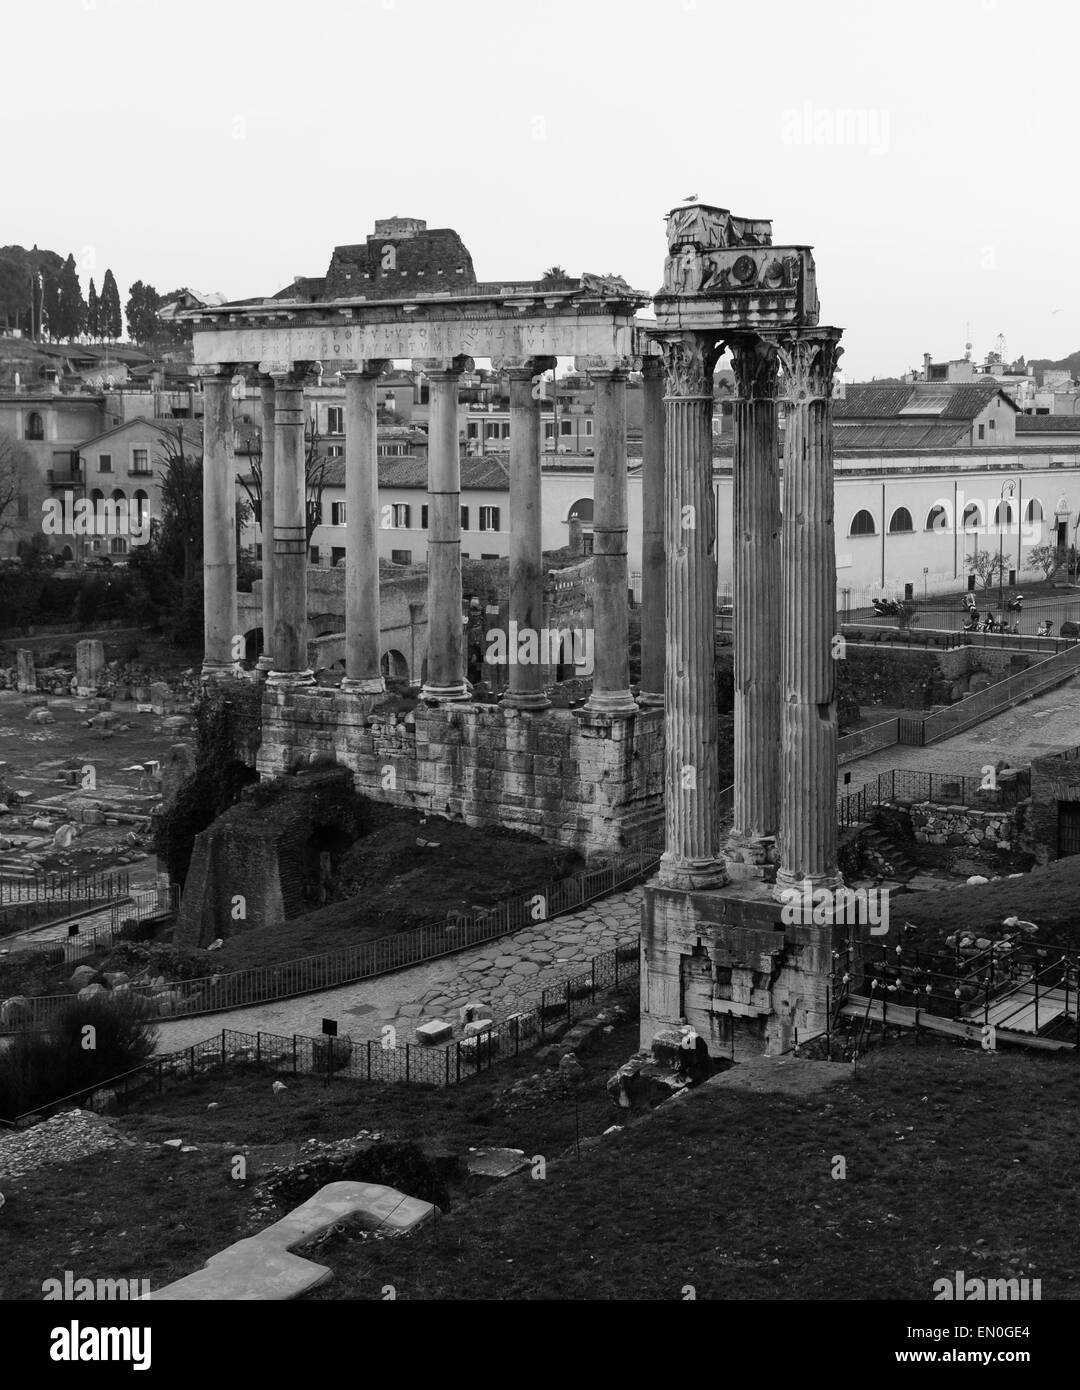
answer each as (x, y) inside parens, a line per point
(219, 527)
(363, 669)
(526, 567)
(446, 637)
(808, 579)
(266, 522)
(691, 857)
(290, 533)
(756, 600)
(611, 575)
(651, 693)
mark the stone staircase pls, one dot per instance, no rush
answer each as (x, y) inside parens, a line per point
(886, 856)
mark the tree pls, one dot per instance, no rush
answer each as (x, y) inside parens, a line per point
(15, 473)
(14, 291)
(109, 311)
(72, 304)
(317, 473)
(1048, 558)
(554, 277)
(986, 565)
(93, 314)
(141, 310)
(51, 312)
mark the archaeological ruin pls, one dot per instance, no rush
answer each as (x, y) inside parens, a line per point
(714, 948)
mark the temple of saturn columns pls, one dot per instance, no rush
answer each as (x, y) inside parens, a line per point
(714, 948)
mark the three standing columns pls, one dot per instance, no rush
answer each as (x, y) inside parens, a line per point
(526, 555)
(446, 634)
(691, 859)
(651, 692)
(611, 575)
(220, 656)
(808, 576)
(290, 560)
(363, 671)
(756, 600)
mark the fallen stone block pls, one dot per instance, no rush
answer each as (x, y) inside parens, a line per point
(436, 1030)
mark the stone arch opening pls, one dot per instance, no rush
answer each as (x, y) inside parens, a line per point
(321, 857)
(254, 645)
(35, 425)
(394, 666)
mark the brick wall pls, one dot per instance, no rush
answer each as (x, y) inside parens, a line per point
(588, 782)
(1054, 778)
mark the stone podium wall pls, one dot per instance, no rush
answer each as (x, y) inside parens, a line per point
(1053, 778)
(590, 782)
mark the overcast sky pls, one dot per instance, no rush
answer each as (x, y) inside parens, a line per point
(926, 150)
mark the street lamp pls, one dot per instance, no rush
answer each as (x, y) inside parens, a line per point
(1009, 487)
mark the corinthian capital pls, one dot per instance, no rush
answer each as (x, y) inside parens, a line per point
(755, 364)
(689, 361)
(808, 358)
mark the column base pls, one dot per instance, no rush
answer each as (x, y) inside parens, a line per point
(445, 694)
(265, 663)
(525, 700)
(648, 699)
(611, 702)
(363, 685)
(691, 875)
(750, 856)
(807, 884)
(287, 680)
(219, 670)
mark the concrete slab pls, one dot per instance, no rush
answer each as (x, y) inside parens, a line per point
(263, 1267)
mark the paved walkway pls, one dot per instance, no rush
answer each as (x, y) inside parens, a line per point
(1028, 730)
(508, 973)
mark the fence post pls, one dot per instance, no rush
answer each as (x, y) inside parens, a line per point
(408, 1054)
(568, 1001)
(615, 953)
(369, 1059)
(457, 1047)
(446, 1054)
(294, 1054)
(258, 1049)
(223, 1047)
(593, 996)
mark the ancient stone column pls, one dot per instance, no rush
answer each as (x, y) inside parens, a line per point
(219, 527)
(446, 635)
(756, 601)
(691, 857)
(651, 693)
(290, 533)
(363, 672)
(266, 524)
(526, 570)
(611, 576)
(808, 580)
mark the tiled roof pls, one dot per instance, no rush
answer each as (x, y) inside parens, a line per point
(906, 434)
(943, 400)
(476, 473)
(870, 402)
(1047, 424)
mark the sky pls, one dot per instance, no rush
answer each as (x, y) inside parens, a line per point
(926, 150)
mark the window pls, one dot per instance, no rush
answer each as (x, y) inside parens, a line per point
(35, 426)
(982, 431)
(314, 511)
(549, 429)
(862, 524)
(566, 427)
(491, 429)
(485, 556)
(140, 460)
(489, 518)
(506, 429)
(937, 519)
(258, 551)
(104, 463)
(118, 545)
(337, 555)
(401, 557)
(313, 555)
(335, 419)
(901, 521)
(334, 451)
(402, 511)
(972, 517)
(423, 395)
(472, 430)
(142, 508)
(993, 424)
(1003, 512)
(588, 428)
(464, 518)
(337, 513)
(1034, 511)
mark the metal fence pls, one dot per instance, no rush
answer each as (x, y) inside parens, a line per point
(946, 788)
(416, 1064)
(62, 888)
(309, 974)
(1001, 695)
(83, 942)
(864, 741)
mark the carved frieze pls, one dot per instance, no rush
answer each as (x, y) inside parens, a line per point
(706, 228)
(524, 366)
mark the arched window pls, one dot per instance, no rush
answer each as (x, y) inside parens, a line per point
(35, 426)
(582, 510)
(862, 524)
(97, 501)
(937, 519)
(1034, 511)
(118, 545)
(1003, 512)
(901, 521)
(142, 509)
(972, 517)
